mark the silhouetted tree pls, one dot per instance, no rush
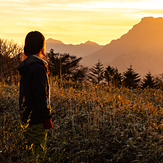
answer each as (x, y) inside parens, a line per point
(109, 72)
(113, 77)
(66, 66)
(9, 60)
(130, 78)
(96, 74)
(159, 81)
(117, 78)
(148, 81)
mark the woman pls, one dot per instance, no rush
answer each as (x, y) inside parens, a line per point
(34, 98)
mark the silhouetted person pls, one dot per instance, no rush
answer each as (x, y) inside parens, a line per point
(34, 98)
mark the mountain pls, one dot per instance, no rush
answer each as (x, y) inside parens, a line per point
(142, 47)
(79, 50)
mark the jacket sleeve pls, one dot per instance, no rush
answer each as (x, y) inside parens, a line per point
(40, 91)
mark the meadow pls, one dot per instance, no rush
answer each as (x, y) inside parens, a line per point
(92, 124)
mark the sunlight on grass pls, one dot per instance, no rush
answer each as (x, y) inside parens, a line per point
(97, 123)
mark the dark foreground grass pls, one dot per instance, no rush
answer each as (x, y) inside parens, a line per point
(92, 123)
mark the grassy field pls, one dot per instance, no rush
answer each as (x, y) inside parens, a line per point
(92, 124)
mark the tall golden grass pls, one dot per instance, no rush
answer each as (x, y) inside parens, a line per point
(94, 123)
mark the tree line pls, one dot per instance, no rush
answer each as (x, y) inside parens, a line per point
(68, 67)
(129, 78)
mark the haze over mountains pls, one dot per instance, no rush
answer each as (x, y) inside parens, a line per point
(141, 47)
(80, 50)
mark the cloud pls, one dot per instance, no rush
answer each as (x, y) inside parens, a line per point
(74, 19)
(78, 5)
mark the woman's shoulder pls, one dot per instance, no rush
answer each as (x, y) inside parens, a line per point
(37, 67)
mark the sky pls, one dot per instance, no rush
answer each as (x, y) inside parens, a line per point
(74, 21)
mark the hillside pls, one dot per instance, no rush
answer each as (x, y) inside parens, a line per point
(141, 46)
(79, 50)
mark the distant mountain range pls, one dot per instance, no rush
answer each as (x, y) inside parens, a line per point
(79, 50)
(141, 47)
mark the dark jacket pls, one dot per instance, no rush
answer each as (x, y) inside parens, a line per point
(34, 100)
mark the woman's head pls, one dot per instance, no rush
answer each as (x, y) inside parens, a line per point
(34, 42)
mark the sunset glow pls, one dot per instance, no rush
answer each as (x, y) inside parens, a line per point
(74, 21)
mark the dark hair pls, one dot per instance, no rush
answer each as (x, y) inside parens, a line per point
(33, 43)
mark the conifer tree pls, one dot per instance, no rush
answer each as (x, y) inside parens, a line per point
(131, 79)
(96, 74)
(109, 72)
(148, 81)
(117, 78)
(113, 76)
(159, 81)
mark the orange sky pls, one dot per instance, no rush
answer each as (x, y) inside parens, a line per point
(74, 21)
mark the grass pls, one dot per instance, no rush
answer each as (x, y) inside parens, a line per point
(94, 123)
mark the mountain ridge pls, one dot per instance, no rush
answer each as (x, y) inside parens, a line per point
(146, 37)
(79, 50)
(141, 47)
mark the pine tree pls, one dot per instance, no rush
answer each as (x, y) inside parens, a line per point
(113, 76)
(159, 81)
(117, 78)
(96, 74)
(131, 79)
(148, 81)
(109, 72)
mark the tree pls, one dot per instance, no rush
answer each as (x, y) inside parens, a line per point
(159, 81)
(109, 73)
(113, 77)
(148, 81)
(10, 53)
(130, 78)
(66, 66)
(96, 74)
